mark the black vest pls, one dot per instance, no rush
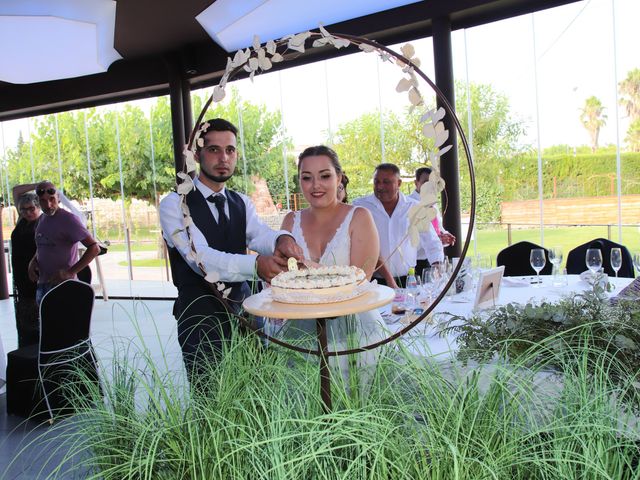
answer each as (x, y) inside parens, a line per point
(188, 282)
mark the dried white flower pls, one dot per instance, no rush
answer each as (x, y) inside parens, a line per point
(263, 62)
(404, 85)
(178, 239)
(414, 97)
(189, 159)
(271, 47)
(296, 42)
(218, 93)
(365, 47)
(186, 185)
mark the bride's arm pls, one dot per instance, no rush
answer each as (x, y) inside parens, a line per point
(365, 243)
(287, 222)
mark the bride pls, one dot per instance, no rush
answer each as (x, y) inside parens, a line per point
(334, 233)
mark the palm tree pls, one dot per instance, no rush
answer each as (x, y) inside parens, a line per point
(593, 118)
(633, 136)
(630, 94)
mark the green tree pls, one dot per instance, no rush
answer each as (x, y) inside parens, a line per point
(593, 118)
(359, 147)
(629, 90)
(633, 136)
(496, 133)
(262, 146)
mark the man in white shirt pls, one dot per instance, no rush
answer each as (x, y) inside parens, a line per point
(225, 225)
(446, 238)
(390, 209)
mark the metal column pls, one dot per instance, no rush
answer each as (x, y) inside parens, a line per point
(181, 117)
(443, 63)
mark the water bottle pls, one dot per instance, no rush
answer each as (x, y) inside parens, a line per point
(412, 289)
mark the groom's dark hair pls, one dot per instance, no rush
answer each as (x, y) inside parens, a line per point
(220, 125)
(321, 150)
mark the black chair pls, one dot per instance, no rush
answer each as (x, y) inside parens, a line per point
(576, 259)
(84, 275)
(515, 259)
(39, 376)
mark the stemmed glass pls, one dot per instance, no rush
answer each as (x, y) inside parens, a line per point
(431, 281)
(593, 260)
(555, 257)
(636, 262)
(615, 258)
(538, 261)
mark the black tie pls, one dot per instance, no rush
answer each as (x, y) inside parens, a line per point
(219, 201)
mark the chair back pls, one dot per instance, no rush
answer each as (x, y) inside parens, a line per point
(515, 259)
(576, 259)
(65, 316)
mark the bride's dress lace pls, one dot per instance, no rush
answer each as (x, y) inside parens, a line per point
(343, 333)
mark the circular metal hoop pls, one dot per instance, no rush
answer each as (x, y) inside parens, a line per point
(443, 102)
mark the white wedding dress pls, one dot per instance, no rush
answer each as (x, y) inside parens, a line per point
(346, 332)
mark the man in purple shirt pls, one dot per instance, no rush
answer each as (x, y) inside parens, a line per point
(57, 236)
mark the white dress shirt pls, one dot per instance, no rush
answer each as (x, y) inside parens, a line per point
(231, 267)
(393, 229)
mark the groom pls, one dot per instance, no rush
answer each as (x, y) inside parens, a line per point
(225, 225)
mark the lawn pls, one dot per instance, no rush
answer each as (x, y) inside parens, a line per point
(145, 262)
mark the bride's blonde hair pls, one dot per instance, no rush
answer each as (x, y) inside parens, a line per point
(321, 150)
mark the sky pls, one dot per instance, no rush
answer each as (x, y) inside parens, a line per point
(574, 45)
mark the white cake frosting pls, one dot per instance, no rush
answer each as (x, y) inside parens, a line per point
(332, 283)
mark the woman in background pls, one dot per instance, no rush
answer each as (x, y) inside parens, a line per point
(23, 248)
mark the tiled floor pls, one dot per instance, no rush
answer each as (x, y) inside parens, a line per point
(27, 451)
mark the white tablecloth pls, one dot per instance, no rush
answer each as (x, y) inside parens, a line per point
(423, 340)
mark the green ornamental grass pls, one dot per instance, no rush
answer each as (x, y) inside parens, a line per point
(563, 407)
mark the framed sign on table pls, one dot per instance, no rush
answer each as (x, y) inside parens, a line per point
(488, 289)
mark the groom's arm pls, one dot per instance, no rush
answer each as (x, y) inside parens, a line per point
(231, 267)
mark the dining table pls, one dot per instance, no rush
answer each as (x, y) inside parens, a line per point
(425, 338)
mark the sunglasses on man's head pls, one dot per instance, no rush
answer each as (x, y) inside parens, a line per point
(42, 191)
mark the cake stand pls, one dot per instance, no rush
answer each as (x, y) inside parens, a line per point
(262, 304)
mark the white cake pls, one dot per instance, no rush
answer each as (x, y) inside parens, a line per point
(333, 283)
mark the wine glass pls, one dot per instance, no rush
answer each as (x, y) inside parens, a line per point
(593, 260)
(430, 281)
(636, 262)
(615, 258)
(538, 261)
(555, 257)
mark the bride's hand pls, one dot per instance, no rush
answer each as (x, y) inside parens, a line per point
(309, 263)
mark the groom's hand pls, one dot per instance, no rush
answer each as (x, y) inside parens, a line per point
(286, 247)
(268, 267)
